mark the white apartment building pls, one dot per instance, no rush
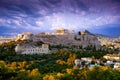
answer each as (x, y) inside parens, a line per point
(77, 62)
(87, 59)
(112, 57)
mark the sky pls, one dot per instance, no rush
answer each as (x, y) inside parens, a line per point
(97, 16)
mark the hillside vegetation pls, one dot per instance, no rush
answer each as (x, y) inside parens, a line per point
(54, 66)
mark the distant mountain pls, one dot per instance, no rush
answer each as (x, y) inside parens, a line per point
(86, 32)
(101, 35)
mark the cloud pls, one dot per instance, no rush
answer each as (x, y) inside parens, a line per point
(75, 21)
(45, 15)
(39, 23)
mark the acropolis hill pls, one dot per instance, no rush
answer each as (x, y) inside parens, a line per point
(69, 38)
(63, 37)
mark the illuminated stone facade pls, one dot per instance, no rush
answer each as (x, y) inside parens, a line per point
(24, 36)
(32, 50)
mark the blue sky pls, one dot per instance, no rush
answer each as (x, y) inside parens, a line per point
(97, 16)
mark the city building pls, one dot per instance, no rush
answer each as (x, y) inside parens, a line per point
(77, 63)
(6, 39)
(117, 65)
(112, 57)
(87, 59)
